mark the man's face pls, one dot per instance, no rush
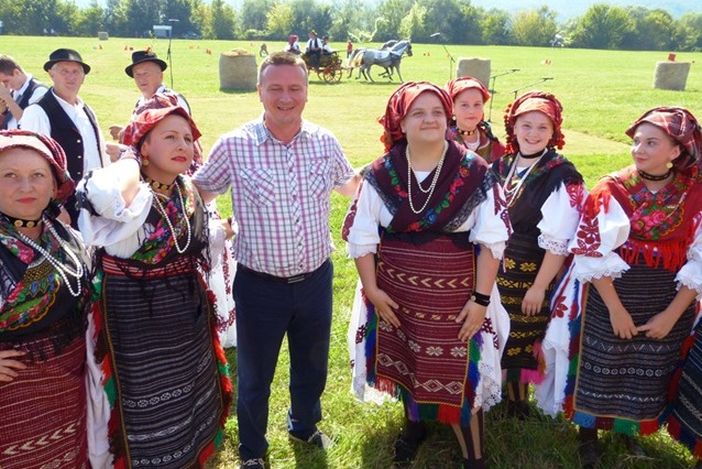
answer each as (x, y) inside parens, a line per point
(283, 93)
(67, 78)
(14, 81)
(148, 76)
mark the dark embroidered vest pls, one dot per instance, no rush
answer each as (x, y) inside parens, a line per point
(24, 102)
(65, 132)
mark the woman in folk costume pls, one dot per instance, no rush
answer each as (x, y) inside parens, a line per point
(157, 367)
(468, 126)
(544, 193)
(627, 303)
(43, 292)
(220, 276)
(426, 327)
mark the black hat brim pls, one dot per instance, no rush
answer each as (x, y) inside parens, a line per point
(50, 63)
(155, 60)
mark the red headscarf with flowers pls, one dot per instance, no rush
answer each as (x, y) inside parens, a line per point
(145, 122)
(400, 103)
(460, 84)
(49, 149)
(681, 126)
(540, 101)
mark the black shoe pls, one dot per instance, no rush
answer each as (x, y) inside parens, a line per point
(317, 438)
(407, 443)
(519, 410)
(253, 463)
(589, 454)
(474, 463)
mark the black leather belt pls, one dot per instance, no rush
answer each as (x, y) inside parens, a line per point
(293, 279)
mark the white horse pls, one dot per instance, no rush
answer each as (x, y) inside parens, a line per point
(388, 59)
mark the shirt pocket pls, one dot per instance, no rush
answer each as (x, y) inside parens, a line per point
(319, 178)
(258, 186)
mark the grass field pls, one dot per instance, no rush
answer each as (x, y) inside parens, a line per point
(602, 92)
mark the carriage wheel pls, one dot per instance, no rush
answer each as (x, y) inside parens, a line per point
(331, 75)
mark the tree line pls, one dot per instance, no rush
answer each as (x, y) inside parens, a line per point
(601, 27)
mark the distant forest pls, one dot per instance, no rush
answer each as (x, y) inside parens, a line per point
(602, 26)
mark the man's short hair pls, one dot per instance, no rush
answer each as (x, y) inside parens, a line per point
(281, 58)
(8, 65)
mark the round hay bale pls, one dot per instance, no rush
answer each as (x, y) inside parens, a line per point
(671, 75)
(474, 67)
(237, 70)
(103, 36)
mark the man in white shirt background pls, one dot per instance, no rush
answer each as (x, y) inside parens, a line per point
(17, 91)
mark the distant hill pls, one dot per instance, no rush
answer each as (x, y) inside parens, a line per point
(566, 9)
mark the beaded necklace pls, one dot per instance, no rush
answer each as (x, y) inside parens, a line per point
(432, 186)
(512, 190)
(162, 211)
(65, 271)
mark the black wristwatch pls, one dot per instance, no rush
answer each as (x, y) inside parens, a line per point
(479, 298)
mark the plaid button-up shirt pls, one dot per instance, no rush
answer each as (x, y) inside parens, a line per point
(280, 194)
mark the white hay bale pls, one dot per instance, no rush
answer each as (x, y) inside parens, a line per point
(671, 75)
(474, 67)
(103, 36)
(237, 70)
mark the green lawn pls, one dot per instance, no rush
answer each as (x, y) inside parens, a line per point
(602, 92)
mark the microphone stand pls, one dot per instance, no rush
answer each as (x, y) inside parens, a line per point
(452, 61)
(492, 87)
(530, 84)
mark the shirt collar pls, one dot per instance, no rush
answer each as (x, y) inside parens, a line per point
(262, 134)
(65, 104)
(24, 87)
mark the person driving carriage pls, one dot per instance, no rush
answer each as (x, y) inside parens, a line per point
(313, 51)
(326, 48)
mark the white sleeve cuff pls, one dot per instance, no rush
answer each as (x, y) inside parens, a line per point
(497, 249)
(587, 268)
(690, 276)
(558, 247)
(359, 250)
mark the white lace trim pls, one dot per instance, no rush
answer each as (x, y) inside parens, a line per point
(490, 390)
(555, 246)
(359, 250)
(685, 278)
(587, 268)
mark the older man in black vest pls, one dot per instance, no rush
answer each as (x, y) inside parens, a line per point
(62, 115)
(17, 91)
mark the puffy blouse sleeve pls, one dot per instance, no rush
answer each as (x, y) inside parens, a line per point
(491, 226)
(362, 222)
(690, 275)
(560, 216)
(105, 219)
(598, 234)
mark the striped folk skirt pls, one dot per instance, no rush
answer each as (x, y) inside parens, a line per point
(43, 410)
(160, 339)
(622, 385)
(685, 420)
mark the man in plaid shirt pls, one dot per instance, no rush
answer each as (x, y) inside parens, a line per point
(281, 170)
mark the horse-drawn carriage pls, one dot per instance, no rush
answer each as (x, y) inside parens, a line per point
(329, 69)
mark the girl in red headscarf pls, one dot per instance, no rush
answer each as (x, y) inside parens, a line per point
(426, 326)
(626, 305)
(44, 288)
(158, 376)
(468, 126)
(544, 193)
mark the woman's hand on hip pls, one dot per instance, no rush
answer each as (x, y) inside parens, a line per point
(384, 305)
(472, 315)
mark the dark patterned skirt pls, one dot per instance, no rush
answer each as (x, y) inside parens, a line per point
(622, 385)
(43, 410)
(685, 419)
(160, 334)
(521, 264)
(423, 361)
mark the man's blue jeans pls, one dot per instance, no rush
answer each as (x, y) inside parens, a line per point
(266, 310)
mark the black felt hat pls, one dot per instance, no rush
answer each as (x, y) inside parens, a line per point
(66, 55)
(141, 56)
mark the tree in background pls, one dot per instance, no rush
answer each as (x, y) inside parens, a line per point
(496, 27)
(222, 20)
(412, 26)
(602, 27)
(392, 12)
(90, 20)
(534, 27)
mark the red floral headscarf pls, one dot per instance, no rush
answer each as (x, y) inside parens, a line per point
(144, 123)
(460, 84)
(681, 126)
(49, 149)
(401, 101)
(540, 101)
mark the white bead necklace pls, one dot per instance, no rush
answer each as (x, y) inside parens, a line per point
(432, 186)
(511, 193)
(163, 213)
(64, 270)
